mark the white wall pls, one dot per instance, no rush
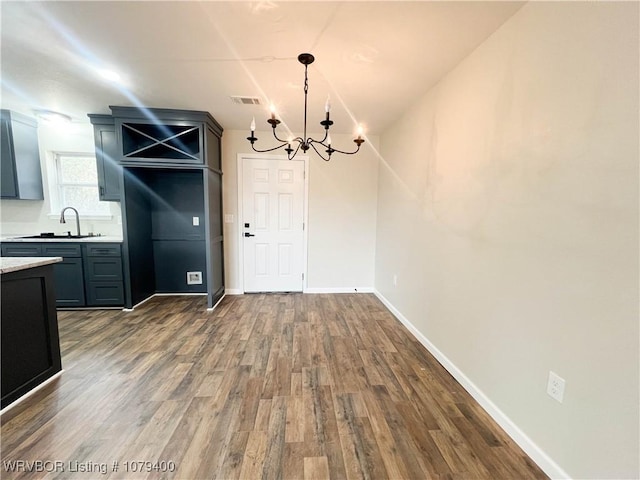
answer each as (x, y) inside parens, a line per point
(23, 217)
(508, 209)
(342, 214)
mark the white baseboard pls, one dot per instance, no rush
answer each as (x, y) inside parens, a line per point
(211, 309)
(30, 392)
(517, 435)
(340, 290)
(233, 291)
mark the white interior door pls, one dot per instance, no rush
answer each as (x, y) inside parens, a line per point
(273, 225)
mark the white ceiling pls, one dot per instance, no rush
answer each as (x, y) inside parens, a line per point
(373, 58)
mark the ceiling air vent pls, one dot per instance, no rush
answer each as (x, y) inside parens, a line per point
(246, 100)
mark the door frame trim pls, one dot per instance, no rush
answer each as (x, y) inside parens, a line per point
(241, 157)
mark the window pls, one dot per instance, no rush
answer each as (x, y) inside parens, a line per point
(77, 184)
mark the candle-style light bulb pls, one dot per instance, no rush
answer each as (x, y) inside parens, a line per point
(273, 111)
(327, 105)
(360, 131)
(253, 125)
(329, 139)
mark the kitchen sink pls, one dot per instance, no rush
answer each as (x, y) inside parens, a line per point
(47, 236)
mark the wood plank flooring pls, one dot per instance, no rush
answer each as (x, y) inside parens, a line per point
(273, 386)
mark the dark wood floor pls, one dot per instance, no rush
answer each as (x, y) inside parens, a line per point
(266, 386)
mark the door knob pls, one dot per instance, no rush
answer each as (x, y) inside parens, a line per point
(247, 234)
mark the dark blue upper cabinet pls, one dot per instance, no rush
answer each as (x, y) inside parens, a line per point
(165, 137)
(109, 170)
(20, 176)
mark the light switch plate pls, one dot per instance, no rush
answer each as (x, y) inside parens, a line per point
(228, 218)
(196, 221)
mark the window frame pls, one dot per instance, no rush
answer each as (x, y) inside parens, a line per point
(58, 185)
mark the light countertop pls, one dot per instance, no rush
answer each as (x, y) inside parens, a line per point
(94, 239)
(14, 264)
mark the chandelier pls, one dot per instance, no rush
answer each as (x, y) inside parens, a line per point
(304, 143)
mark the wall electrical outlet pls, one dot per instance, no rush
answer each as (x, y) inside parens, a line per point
(196, 221)
(555, 386)
(194, 278)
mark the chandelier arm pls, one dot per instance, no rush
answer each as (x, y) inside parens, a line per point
(319, 154)
(282, 140)
(268, 149)
(346, 153)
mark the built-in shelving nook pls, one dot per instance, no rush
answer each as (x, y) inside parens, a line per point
(168, 166)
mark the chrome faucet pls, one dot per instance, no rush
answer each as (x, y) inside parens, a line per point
(62, 220)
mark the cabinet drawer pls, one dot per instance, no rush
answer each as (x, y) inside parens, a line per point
(22, 250)
(104, 269)
(61, 250)
(104, 250)
(105, 294)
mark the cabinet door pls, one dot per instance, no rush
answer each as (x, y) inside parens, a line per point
(104, 269)
(69, 283)
(9, 186)
(21, 174)
(109, 171)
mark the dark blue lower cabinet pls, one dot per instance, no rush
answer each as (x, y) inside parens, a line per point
(69, 283)
(103, 272)
(90, 274)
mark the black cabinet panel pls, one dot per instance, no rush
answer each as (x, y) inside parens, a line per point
(20, 157)
(25, 343)
(30, 347)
